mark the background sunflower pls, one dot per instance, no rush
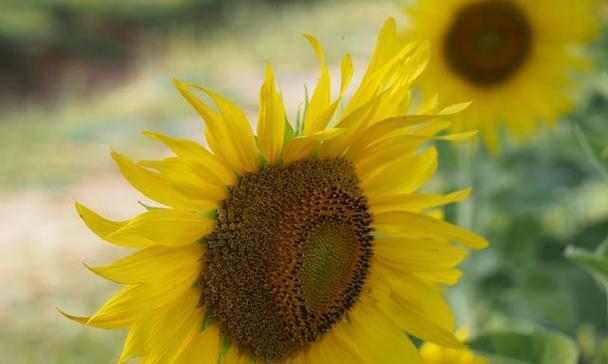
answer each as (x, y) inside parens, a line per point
(516, 59)
(87, 77)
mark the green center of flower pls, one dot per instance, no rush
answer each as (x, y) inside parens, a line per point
(288, 257)
(328, 260)
(488, 41)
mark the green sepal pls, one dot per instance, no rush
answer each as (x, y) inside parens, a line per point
(206, 321)
(289, 133)
(210, 214)
(262, 160)
(148, 207)
(223, 350)
(300, 121)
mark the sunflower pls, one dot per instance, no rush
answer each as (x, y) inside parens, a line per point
(296, 246)
(515, 59)
(435, 354)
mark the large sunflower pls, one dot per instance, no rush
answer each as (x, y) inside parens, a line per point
(513, 58)
(295, 246)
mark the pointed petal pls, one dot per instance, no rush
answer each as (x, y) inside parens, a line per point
(154, 186)
(271, 122)
(134, 300)
(404, 175)
(408, 255)
(302, 147)
(198, 158)
(414, 202)
(151, 264)
(417, 225)
(102, 323)
(190, 184)
(167, 227)
(204, 348)
(104, 228)
(319, 103)
(228, 133)
(346, 70)
(379, 339)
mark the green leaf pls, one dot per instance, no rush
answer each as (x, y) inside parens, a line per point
(523, 347)
(595, 263)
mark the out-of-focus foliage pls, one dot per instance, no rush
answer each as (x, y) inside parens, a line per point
(594, 262)
(533, 347)
(41, 40)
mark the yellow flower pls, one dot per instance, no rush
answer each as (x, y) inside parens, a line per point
(435, 354)
(305, 247)
(513, 58)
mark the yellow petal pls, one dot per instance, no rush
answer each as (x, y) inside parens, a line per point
(346, 70)
(182, 329)
(302, 147)
(190, 184)
(447, 277)
(271, 121)
(335, 348)
(417, 225)
(134, 300)
(387, 44)
(155, 186)
(404, 175)
(233, 356)
(198, 158)
(393, 138)
(104, 228)
(455, 108)
(393, 65)
(152, 264)
(429, 105)
(414, 202)
(421, 327)
(354, 126)
(314, 120)
(228, 133)
(379, 338)
(161, 335)
(167, 227)
(418, 297)
(408, 255)
(204, 348)
(112, 323)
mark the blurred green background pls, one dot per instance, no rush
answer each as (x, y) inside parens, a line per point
(79, 78)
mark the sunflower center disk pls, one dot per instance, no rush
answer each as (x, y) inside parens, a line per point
(288, 257)
(488, 41)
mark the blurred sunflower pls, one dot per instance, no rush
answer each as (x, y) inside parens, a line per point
(305, 246)
(514, 59)
(435, 354)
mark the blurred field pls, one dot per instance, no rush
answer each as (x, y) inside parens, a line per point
(55, 144)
